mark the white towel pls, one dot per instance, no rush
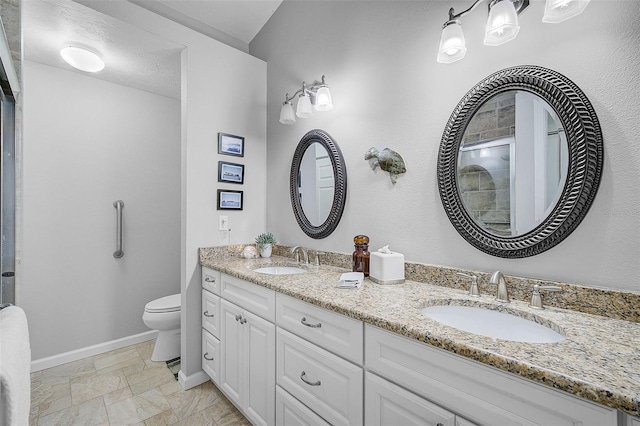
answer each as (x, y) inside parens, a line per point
(350, 280)
(15, 367)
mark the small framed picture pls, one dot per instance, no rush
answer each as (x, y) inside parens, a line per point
(230, 144)
(229, 199)
(230, 172)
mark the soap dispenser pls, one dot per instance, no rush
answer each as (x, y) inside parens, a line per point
(361, 255)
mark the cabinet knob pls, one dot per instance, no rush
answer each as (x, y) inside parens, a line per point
(243, 320)
(207, 314)
(304, 322)
(206, 357)
(302, 377)
(238, 317)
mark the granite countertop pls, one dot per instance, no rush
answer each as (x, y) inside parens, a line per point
(599, 360)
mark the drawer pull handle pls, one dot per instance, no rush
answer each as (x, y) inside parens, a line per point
(238, 317)
(207, 314)
(308, 382)
(243, 320)
(304, 322)
(206, 357)
(209, 279)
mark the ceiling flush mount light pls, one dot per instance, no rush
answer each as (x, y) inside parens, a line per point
(82, 58)
(316, 94)
(502, 24)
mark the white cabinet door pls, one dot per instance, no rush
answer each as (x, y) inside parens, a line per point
(387, 404)
(631, 421)
(258, 397)
(211, 356)
(291, 412)
(231, 351)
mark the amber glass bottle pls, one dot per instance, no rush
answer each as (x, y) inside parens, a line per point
(361, 255)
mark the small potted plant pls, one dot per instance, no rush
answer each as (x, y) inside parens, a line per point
(264, 243)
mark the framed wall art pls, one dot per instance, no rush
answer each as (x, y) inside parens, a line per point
(230, 145)
(229, 199)
(230, 172)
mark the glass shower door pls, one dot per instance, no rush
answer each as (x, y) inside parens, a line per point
(7, 200)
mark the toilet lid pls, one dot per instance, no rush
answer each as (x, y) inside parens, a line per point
(164, 304)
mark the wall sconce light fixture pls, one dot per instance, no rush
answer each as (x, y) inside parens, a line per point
(82, 58)
(502, 24)
(316, 94)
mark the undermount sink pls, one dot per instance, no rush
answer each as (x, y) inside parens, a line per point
(280, 270)
(491, 323)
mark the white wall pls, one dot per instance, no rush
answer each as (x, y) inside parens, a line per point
(223, 90)
(86, 144)
(388, 90)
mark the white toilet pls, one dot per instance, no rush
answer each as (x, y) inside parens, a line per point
(163, 314)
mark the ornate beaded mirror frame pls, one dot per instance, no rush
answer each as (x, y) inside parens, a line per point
(585, 160)
(324, 229)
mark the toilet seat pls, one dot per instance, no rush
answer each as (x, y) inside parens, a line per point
(164, 304)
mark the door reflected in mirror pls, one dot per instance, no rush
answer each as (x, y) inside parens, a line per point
(316, 184)
(512, 163)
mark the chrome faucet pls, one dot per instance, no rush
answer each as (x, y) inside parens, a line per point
(536, 297)
(295, 250)
(473, 290)
(503, 293)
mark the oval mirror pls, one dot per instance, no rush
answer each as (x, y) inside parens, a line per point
(318, 184)
(520, 161)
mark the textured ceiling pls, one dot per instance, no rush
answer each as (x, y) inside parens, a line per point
(132, 56)
(240, 19)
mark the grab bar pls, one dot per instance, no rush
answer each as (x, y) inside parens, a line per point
(119, 205)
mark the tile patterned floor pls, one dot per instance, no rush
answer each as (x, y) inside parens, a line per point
(124, 387)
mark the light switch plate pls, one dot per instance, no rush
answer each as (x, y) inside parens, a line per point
(223, 223)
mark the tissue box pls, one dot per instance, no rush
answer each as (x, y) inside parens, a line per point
(386, 268)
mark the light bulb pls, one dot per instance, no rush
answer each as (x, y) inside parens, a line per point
(323, 99)
(502, 25)
(287, 115)
(304, 106)
(452, 43)
(560, 10)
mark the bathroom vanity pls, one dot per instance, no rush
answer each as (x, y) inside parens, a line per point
(294, 349)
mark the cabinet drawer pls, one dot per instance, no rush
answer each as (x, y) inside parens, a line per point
(480, 393)
(210, 355)
(326, 383)
(252, 297)
(388, 404)
(336, 333)
(211, 313)
(291, 412)
(211, 280)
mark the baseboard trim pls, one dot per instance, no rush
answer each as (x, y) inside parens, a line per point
(63, 358)
(188, 382)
